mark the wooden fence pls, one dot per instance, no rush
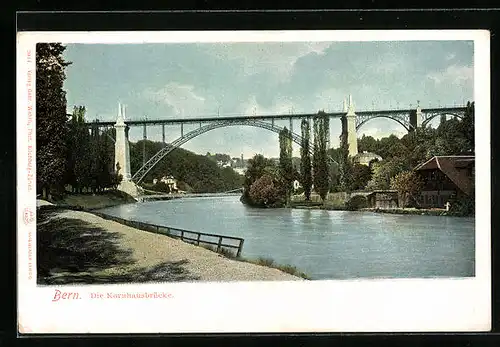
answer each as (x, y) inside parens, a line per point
(193, 237)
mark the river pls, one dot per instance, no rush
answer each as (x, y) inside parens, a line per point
(326, 244)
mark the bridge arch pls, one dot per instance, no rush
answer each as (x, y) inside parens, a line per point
(434, 115)
(366, 120)
(151, 163)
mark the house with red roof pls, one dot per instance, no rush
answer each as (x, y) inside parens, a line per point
(446, 178)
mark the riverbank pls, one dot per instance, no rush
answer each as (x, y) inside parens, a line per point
(94, 201)
(410, 211)
(80, 247)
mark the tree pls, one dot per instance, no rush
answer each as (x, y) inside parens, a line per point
(267, 192)
(385, 170)
(51, 119)
(321, 177)
(305, 159)
(467, 127)
(79, 158)
(285, 163)
(368, 144)
(408, 185)
(345, 163)
(255, 169)
(361, 175)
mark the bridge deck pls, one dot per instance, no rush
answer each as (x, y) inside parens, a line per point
(270, 117)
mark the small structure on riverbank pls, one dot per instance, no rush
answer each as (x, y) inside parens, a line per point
(383, 199)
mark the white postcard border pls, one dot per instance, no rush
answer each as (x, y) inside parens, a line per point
(395, 305)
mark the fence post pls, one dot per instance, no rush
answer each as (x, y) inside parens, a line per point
(240, 247)
(219, 244)
(182, 235)
(198, 240)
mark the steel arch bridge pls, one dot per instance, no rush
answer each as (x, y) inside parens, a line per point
(403, 118)
(151, 163)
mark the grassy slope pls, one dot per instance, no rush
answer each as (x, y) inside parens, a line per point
(97, 201)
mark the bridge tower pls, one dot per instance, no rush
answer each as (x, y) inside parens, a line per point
(122, 154)
(352, 137)
(122, 150)
(415, 118)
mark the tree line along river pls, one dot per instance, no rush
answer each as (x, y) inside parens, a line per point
(325, 244)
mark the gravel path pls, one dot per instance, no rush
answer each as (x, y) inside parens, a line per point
(150, 250)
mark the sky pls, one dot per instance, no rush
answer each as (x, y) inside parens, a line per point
(190, 80)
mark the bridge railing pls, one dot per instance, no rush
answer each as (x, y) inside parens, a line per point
(220, 242)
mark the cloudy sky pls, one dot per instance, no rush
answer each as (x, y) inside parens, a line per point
(164, 81)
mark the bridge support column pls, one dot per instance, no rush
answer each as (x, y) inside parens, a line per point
(182, 129)
(415, 119)
(163, 133)
(291, 125)
(122, 155)
(144, 137)
(352, 137)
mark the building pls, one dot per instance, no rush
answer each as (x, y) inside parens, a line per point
(383, 199)
(365, 158)
(445, 179)
(170, 181)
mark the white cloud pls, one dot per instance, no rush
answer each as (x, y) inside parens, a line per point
(378, 133)
(450, 56)
(274, 58)
(454, 74)
(180, 97)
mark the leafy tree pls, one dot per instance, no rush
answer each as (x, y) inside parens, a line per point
(285, 163)
(305, 157)
(409, 185)
(385, 170)
(198, 172)
(256, 168)
(345, 163)
(467, 128)
(79, 150)
(391, 146)
(51, 119)
(267, 192)
(361, 175)
(368, 144)
(321, 175)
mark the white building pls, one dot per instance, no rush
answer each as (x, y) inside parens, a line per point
(169, 181)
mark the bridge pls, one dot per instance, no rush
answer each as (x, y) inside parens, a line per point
(350, 122)
(171, 196)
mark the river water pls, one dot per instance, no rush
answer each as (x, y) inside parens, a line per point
(326, 244)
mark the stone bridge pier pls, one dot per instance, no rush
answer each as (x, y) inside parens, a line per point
(349, 127)
(122, 155)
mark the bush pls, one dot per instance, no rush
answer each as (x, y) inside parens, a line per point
(356, 202)
(267, 192)
(464, 206)
(161, 187)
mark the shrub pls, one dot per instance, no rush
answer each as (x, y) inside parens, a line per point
(267, 192)
(356, 202)
(463, 207)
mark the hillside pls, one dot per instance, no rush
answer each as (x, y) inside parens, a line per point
(196, 173)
